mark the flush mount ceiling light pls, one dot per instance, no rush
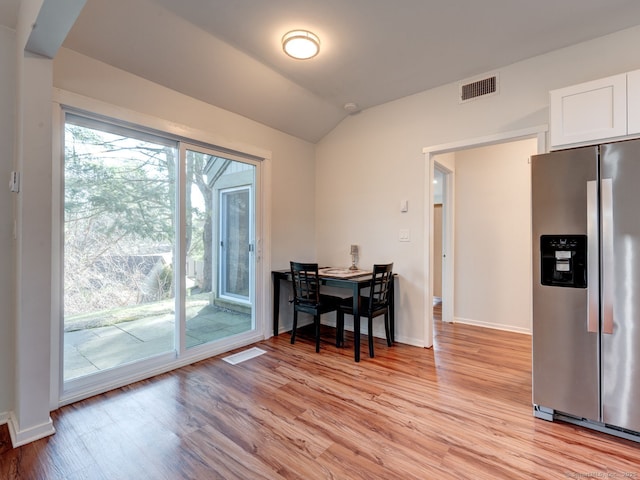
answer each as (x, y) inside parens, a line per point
(301, 44)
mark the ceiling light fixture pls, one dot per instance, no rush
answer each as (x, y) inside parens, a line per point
(301, 44)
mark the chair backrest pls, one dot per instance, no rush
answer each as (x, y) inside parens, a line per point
(380, 286)
(306, 285)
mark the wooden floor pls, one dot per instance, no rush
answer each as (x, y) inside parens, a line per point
(461, 410)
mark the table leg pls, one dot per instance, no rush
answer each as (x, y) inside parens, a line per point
(276, 303)
(356, 322)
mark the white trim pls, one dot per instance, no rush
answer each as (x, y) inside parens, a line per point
(264, 297)
(22, 437)
(494, 326)
(487, 140)
(540, 132)
(180, 252)
(428, 262)
(364, 331)
(57, 277)
(412, 341)
(448, 246)
(4, 417)
(92, 105)
(223, 219)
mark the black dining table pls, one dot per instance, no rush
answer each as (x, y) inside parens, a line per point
(340, 278)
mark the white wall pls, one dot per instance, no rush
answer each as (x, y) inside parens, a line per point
(374, 159)
(7, 132)
(493, 236)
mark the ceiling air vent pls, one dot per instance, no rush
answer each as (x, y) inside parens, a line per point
(478, 88)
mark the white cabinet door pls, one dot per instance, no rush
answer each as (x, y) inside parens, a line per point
(633, 102)
(589, 112)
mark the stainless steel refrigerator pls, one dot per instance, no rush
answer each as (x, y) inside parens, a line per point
(586, 286)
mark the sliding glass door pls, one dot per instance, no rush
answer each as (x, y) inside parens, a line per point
(158, 253)
(119, 222)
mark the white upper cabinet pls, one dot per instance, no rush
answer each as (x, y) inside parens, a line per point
(590, 111)
(633, 102)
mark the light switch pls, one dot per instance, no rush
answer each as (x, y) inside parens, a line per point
(405, 235)
(404, 205)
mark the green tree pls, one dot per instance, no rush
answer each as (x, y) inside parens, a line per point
(119, 202)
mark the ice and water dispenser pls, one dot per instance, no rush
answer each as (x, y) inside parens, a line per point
(564, 260)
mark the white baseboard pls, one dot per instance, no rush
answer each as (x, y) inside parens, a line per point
(22, 437)
(495, 326)
(4, 417)
(364, 330)
(414, 342)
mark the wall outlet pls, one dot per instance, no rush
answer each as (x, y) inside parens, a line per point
(405, 235)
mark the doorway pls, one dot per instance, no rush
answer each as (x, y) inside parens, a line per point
(437, 158)
(442, 212)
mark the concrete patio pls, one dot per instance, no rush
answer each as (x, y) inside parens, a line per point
(94, 344)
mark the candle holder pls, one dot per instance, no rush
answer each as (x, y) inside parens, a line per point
(354, 254)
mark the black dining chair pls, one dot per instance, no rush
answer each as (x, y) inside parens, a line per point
(376, 304)
(307, 297)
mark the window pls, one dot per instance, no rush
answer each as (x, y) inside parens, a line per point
(158, 250)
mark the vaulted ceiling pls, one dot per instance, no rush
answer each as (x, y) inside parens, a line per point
(228, 52)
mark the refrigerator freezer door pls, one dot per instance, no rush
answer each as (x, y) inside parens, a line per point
(565, 354)
(620, 162)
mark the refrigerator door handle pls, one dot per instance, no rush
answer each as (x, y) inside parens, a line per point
(593, 285)
(607, 256)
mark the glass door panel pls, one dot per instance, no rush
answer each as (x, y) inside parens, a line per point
(218, 281)
(235, 243)
(119, 224)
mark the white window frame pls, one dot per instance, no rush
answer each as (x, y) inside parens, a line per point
(74, 391)
(222, 271)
